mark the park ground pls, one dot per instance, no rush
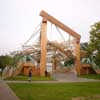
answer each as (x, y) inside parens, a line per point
(56, 90)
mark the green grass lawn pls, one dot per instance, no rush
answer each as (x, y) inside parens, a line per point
(25, 78)
(91, 76)
(57, 91)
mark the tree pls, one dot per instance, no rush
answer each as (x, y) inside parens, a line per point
(16, 59)
(70, 60)
(5, 60)
(94, 45)
(84, 46)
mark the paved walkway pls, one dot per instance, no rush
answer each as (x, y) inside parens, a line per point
(57, 81)
(71, 77)
(6, 93)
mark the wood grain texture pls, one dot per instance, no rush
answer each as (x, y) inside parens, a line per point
(43, 47)
(59, 24)
(77, 55)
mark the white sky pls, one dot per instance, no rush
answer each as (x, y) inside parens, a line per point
(18, 18)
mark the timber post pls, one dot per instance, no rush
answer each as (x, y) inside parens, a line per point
(77, 53)
(43, 40)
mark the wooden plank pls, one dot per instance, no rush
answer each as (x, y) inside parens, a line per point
(59, 24)
(43, 47)
(77, 55)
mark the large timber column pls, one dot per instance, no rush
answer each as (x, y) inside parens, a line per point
(77, 53)
(43, 47)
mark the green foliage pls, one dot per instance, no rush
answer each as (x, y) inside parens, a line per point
(84, 46)
(25, 78)
(97, 59)
(91, 76)
(94, 45)
(16, 59)
(69, 62)
(28, 58)
(5, 60)
(95, 36)
(93, 48)
(10, 61)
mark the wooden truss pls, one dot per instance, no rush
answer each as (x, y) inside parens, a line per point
(47, 17)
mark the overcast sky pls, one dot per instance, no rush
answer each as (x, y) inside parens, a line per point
(18, 18)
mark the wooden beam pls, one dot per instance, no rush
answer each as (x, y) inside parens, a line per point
(77, 55)
(43, 47)
(59, 24)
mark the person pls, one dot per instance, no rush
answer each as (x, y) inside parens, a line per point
(30, 75)
(46, 73)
